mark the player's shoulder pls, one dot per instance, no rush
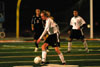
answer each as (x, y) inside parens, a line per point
(49, 19)
(79, 17)
(72, 18)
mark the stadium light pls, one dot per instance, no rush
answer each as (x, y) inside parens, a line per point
(17, 18)
(91, 19)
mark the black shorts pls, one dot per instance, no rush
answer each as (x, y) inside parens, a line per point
(37, 35)
(77, 34)
(52, 40)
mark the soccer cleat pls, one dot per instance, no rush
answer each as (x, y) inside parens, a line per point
(63, 63)
(87, 51)
(47, 50)
(36, 49)
(68, 51)
(43, 63)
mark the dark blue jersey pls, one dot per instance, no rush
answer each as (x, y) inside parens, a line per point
(38, 24)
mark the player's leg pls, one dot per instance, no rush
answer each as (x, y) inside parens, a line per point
(44, 53)
(60, 55)
(45, 37)
(83, 40)
(69, 44)
(58, 39)
(72, 35)
(85, 45)
(35, 41)
(47, 48)
(36, 48)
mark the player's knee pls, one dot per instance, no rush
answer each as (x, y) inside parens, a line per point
(57, 51)
(44, 46)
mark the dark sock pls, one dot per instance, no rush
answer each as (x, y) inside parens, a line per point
(36, 45)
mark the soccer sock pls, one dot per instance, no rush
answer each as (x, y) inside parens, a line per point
(44, 54)
(85, 45)
(36, 45)
(69, 46)
(62, 58)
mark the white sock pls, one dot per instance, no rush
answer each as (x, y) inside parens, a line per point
(44, 54)
(85, 45)
(69, 46)
(62, 58)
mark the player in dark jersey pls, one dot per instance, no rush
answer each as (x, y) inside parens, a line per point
(37, 27)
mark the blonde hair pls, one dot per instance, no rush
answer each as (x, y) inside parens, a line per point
(48, 14)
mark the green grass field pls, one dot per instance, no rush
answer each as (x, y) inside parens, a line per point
(22, 53)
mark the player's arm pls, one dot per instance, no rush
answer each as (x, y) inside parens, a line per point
(83, 23)
(70, 27)
(32, 23)
(44, 32)
(32, 26)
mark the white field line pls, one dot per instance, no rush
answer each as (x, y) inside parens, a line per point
(41, 51)
(77, 60)
(57, 65)
(32, 56)
(23, 66)
(14, 41)
(25, 47)
(90, 66)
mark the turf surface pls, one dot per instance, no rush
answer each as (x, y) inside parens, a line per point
(22, 53)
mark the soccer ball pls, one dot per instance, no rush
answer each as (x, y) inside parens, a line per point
(37, 60)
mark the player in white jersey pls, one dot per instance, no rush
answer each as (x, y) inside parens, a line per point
(50, 28)
(57, 28)
(76, 25)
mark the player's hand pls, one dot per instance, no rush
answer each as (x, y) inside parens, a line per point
(38, 41)
(69, 32)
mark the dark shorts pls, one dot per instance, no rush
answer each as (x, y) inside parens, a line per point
(37, 35)
(52, 40)
(77, 34)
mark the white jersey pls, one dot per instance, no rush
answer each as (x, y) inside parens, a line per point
(77, 22)
(51, 27)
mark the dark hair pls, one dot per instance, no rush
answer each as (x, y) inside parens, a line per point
(75, 10)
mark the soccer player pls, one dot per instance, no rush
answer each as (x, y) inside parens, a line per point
(37, 27)
(76, 25)
(57, 28)
(52, 38)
